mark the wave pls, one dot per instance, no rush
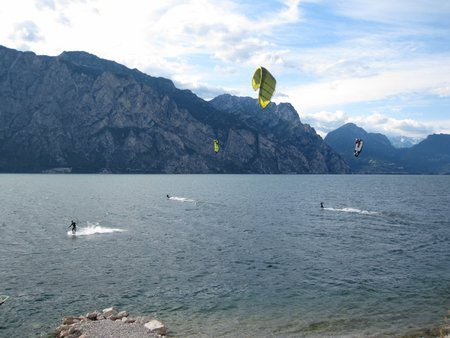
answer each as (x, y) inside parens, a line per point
(353, 210)
(181, 199)
(93, 229)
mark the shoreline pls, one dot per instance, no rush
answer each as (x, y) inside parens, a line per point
(111, 322)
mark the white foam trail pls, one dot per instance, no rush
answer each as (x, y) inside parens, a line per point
(93, 229)
(181, 199)
(354, 210)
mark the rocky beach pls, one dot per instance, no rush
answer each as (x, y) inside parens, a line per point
(109, 322)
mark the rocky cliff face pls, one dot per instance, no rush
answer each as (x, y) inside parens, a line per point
(87, 114)
(277, 138)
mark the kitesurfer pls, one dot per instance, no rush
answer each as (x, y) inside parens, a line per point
(168, 196)
(358, 147)
(321, 205)
(74, 227)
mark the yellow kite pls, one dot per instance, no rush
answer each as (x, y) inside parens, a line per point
(216, 146)
(266, 83)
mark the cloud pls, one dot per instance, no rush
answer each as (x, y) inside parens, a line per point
(398, 12)
(220, 29)
(326, 121)
(45, 4)
(443, 91)
(27, 31)
(391, 126)
(419, 76)
(205, 91)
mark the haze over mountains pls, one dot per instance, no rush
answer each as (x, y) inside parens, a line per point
(404, 141)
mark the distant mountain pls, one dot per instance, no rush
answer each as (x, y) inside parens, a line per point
(431, 156)
(79, 113)
(378, 154)
(404, 141)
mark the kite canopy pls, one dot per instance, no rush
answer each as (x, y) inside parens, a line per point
(266, 83)
(216, 146)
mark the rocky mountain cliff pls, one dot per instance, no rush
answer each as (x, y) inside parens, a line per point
(79, 113)
(278, 134)
(431, 156)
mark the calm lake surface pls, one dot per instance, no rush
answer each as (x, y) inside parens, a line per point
(228, 255)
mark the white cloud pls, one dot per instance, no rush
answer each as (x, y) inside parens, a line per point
(395, 13)
(444, 90)
(391, 126)
(45, 4)
(326, 121)
(420, 76)
(26, 31)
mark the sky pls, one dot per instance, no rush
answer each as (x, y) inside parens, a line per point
(383, 65)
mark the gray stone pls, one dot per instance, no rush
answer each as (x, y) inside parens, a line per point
(110, 311)
(156, 326)
(61, 328)
(68, 320)
(92, 316)
(122, 314)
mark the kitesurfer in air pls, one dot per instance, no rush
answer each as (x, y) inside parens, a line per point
(357, 147)
(74, 227)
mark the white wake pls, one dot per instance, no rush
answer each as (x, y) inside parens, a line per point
(353, 210)
(93, 229)
(181, 199)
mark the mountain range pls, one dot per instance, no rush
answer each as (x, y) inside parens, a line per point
(79, 113)
(430, 156)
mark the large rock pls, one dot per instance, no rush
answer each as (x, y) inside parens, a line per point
(108, 312)
(156, 326)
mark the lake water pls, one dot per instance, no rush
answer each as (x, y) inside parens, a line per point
(228, 255)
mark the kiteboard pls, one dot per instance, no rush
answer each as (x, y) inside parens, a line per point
(358, 146)
(3, 299)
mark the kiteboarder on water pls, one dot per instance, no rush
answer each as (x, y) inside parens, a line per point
(321, 205)
(74, 227)
(168, 196)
